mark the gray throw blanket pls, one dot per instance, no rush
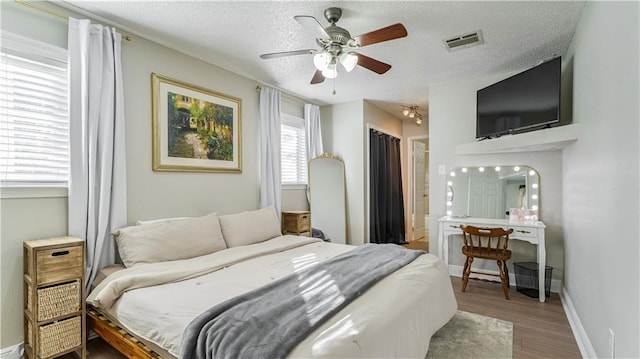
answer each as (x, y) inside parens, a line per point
(270, 321)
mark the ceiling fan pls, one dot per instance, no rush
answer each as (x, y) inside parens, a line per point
(336, 45)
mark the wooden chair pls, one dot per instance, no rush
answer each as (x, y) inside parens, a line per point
(486, 243)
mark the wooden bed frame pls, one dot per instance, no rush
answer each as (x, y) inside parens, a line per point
(117, 337)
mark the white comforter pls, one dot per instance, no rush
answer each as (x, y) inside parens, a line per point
(395, 318)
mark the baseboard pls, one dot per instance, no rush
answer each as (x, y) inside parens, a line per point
(12, 352)
(584, 344)
(456, 271)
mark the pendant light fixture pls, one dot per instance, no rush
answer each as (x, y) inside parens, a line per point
(412, 112)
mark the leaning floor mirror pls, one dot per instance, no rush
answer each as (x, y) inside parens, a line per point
(327, 201)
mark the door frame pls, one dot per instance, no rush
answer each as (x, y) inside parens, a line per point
(410, 197)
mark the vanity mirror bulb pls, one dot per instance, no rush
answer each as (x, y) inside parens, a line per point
(516, 168)
(452, 174)
(497, 168)
(535, 185)
(532, 173)
(481, 169)
(464, 169)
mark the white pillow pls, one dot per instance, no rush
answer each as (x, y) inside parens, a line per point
(168, 241)
(250, 227)
(149, 221)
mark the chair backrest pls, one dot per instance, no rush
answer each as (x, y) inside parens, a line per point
(483, 238)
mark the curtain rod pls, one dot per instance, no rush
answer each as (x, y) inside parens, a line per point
(53, 13)
(381, 132)
(287, 96)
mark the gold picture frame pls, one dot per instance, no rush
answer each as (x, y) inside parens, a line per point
(194, 129)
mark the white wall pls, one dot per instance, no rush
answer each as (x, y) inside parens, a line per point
(342, 124)
(600, 178)
(452, 119)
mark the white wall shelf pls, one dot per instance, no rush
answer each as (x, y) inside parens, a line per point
(548, 139)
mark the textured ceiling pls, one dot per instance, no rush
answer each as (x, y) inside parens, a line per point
(232, 35)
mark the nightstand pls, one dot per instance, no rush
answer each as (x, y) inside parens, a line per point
(296, 222)
(54, 291)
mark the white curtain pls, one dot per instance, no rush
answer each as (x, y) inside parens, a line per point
(97, 183)
(314, 133)
(270, 172)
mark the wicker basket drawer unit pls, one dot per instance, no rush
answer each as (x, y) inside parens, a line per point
(54, 293)
(296, 222)
(59, 337)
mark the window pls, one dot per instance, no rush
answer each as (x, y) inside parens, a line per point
(293, 151)
(34, 116)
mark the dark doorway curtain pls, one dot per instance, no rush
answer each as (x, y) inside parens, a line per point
(386, 201)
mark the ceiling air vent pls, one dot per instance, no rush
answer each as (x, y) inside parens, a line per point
(464, 41)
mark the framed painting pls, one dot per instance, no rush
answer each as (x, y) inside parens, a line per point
(194, 129)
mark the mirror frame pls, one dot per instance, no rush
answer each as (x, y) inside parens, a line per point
(532, 191)
(327, 155)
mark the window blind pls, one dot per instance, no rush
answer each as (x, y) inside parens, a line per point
(293, 150)
(34, 121)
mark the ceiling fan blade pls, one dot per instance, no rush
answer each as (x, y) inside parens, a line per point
(317, 77)
(385, 34)
(372, 64)
(312, 26)
(288, 53)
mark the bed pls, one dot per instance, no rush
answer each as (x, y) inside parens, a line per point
(145, 308)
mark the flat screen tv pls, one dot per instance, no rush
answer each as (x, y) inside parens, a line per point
(527, 100)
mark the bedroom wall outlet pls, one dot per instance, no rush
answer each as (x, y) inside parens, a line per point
(612, 344)
(441, 169)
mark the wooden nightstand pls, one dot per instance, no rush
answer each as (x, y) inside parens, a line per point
(54, 291)
(296, 222)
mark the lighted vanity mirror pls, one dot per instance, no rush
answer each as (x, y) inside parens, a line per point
(490, 192)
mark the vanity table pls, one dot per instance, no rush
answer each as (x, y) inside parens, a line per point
(532, 232)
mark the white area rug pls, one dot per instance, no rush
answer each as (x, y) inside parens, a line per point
(469, 335)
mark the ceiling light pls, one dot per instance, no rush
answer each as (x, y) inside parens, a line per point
(331, 72)
(412, 112)
(322, 60)
(349, 60)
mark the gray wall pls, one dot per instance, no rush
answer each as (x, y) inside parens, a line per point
(600, 178)
(150, 194)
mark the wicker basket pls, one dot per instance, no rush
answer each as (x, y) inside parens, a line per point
(58, 300)
(60, 336)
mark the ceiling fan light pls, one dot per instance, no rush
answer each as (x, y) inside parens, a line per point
(419, 121)
(405, 112)
(412, 114)
(331, 72)
(321, 61)
(349, 60)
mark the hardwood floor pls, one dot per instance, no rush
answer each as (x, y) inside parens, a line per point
(540, 330)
